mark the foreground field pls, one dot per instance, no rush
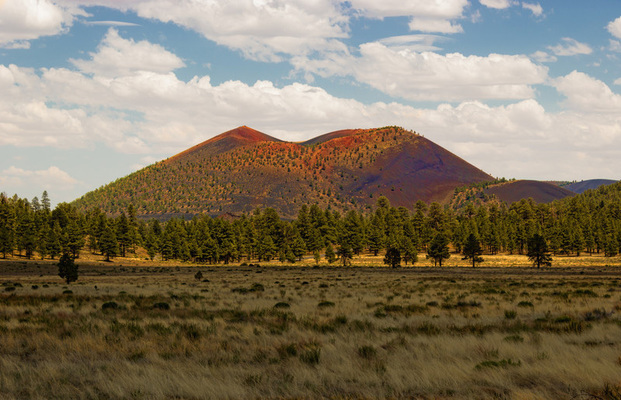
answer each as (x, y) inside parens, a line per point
(140, 331)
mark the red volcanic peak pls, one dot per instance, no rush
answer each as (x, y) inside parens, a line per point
(244, 134)
(242, 169)
(229, 140)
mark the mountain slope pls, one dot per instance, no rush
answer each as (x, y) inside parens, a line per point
(243, 169)
(540, 192)
(583, 186)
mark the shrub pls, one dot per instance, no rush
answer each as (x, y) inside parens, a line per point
(287, 350)
(161, 306)
(311, 356)
(111, 305)
(367, 352)
(514, 339)
(257, 287)
(510, 314)
(504, 363)
(282, 304)
(325, 304)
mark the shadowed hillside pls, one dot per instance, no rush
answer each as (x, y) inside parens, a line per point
(583, 186)
(243, 169)
(540, 192)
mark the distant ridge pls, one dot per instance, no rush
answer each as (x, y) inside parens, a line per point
(583, 186)
(540, 192)
(242, 169)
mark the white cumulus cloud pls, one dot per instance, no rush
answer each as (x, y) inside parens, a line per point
(497, 4)
(426, 16)
(423, 76)
(24, 20)
(117, 56)
(614, 28)
(535, 8)
(542, 56)
(570, 47)
(51, 178)
(587, 94)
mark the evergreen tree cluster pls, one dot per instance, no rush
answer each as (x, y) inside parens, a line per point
(590, 222)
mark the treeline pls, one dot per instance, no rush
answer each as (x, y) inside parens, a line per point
(590, 223)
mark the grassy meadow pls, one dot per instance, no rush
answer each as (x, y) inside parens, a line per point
(141, 330)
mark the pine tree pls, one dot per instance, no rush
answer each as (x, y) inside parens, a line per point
(7, 227)
(267, 248)
(54, 246)
(393, 257)
(611, 246)
(408, 249)
(43, 241)
(438, 249)
(108, 243)
(298, 248)
(538, 251)
(27, 233)
(72, 238)
(472, 250)
(45, 202)
(376, 235)
(123, 233)
(67, 268)
(330, 254)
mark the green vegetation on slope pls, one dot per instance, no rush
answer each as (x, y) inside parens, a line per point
(345, 173)
(590, 222)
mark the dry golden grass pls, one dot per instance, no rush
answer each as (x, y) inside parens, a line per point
(139, 330)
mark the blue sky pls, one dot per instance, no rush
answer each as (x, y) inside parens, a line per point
(92, 90)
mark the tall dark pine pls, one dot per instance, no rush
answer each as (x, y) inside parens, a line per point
(393, 257)
(67, 268)
(472, 250)
(538, 251)
(438, 249)
(108, 243)
(123, 233)
(7, 227)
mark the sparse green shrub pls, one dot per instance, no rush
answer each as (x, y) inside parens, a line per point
(190, 331)
(282, 304)
(253, 380)
(110, 305)
(287, 350)
(311, 356)
(514, 339)
(257, 287)
(504, 363)
(325, 304)
(510, 314)
(161, 306)
(367, 352)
